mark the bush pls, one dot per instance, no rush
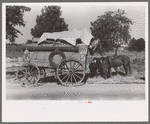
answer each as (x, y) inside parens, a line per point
(137, 45)
(140, 44)
(107, 47)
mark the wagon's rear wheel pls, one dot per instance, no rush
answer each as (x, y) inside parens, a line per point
(70, 72)
(28, 74)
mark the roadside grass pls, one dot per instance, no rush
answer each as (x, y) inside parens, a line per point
(14, 54)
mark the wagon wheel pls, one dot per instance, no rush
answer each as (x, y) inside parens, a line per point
(28, 74)
(70, 72)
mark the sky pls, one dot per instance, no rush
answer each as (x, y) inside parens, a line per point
(80, 15)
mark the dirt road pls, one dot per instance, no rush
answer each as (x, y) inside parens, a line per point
(92, 90)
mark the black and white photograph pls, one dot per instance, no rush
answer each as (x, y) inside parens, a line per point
(77, 55)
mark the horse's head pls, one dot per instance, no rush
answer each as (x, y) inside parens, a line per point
(93, 45)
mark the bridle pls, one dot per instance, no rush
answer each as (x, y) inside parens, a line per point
(94, 47)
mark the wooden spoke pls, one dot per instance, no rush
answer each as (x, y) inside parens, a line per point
(64, 70)
(23, 71)
(73, 64)
(70, 64)
(65, 77)
(31, 78)
(77, 67)
(28, 80)
(63, 66)
(74, 78)
(78, 70)
(77, 76)
(71, 78)
(28, 68)
(63, 74)
(32, 68)
(66, 66)
(36, 78)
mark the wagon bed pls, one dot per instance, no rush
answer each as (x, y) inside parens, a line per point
(70, 70)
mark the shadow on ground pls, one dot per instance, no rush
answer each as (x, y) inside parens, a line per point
(52, 79)
(119, 73)
(142, 78)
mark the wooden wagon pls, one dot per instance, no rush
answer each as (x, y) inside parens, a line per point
(69, 69)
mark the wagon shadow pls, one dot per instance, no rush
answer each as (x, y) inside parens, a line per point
(10, 75)
(118, 72)
(50, 79)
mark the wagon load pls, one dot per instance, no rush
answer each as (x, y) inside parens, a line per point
(68, 36)
(64, 53)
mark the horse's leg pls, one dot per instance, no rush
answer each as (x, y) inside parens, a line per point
(115, 69)
(129, 68)
(101, 73)
(126, 70)
(105, 74)
(98, 72)
(109, 75)
(96, 75)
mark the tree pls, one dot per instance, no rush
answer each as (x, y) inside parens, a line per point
(140, 44)
(49, 21)
(132, 45)
(112, 28)
(14, 17)
(137, 45)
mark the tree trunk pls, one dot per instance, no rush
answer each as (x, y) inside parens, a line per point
(101, 49)
(116, 49)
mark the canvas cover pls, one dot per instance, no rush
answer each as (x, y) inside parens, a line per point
(69, 36)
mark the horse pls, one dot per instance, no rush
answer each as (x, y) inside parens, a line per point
(115, 61)
(93, 68)
(96, 67)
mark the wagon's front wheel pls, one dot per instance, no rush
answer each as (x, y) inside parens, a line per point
(28, 74)
(70, 72)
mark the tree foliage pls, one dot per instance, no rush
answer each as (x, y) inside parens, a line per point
(14, 17)
(49, 21)
(112, 28)
(137, 45)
